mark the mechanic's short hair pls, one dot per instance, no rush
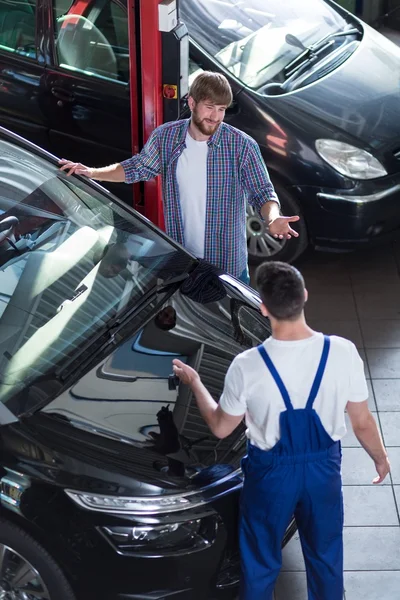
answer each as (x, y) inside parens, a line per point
(213, 87)
(281, 288)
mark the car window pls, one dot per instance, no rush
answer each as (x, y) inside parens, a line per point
(71, 263)
(91, 37)
(17, 27)
(250, 38)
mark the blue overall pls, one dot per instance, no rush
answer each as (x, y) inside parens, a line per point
(300, 475)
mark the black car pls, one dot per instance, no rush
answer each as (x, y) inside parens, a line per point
(317, 88)
(111, 485)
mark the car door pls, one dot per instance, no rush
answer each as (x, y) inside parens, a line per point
(21, 70)
(87, 82)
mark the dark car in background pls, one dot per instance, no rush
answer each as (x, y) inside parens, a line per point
(317, 89)
(111, 485)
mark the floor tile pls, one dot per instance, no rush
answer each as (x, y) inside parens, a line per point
(384, 363)
(363, 355)
(318, 285)
(292, 556)
(387, 394)
(394, 458)
(396, 489)
(350, 440)
(324, 266)
(369, 506)
(377, 304)
(347, 329)
(332, 306)
(379, 269)
(371, 396)
(376, 276)
(381, 333)
(371, 548)
(359, 469)
(375, 585)
(390, 424)
(291, 586)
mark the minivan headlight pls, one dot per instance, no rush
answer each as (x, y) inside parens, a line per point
(349, 160)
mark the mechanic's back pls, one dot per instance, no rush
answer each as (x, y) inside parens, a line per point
(293, 390)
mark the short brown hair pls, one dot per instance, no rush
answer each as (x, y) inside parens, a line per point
(281, 288)
(213, 87)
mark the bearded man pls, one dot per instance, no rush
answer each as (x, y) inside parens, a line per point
(209, 171)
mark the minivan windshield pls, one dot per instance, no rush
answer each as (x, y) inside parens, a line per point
(71, 262)
(249, 37)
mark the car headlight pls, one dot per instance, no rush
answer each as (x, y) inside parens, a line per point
(167, 538)
(349, 160)
(154, 505)
(136, 505)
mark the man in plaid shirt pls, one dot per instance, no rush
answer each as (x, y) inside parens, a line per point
(209, 170)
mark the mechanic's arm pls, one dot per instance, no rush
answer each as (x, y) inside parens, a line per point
(141, 167)
(367, 433)
(220, 423)
(262, 195)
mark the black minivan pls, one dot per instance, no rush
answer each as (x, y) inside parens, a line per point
(317, 88)
(111, 485)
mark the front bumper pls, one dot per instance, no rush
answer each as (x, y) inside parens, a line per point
(347, 219)
(211, 572)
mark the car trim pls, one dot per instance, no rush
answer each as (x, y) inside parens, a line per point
(184, 501)
(360, 199)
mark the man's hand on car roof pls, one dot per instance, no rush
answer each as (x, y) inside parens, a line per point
(75, 168)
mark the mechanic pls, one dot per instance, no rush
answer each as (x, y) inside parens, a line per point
(208, 169)
(293, 390)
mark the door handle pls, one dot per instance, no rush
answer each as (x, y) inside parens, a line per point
(62, 95)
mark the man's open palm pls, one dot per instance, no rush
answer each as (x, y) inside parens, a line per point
(280, 227)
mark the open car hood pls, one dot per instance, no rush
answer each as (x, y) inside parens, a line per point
(127, 401)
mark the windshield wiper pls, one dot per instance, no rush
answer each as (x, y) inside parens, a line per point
(311, 53)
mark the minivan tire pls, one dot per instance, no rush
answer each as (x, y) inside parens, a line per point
(29, 550)
(290, 249)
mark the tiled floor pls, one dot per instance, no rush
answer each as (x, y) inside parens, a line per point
(358, 296)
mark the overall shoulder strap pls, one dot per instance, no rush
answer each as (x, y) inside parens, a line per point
(320, 372)
(271, 367)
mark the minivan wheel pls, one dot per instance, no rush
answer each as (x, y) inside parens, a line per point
(263, 246)
(27, 571)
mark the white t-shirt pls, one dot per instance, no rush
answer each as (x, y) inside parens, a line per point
(250, 388)
(191, 174)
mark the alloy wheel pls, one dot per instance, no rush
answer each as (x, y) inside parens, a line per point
(260, 243)
(19, 580)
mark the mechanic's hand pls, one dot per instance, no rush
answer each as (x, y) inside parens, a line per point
(280, 227)
(74, 168)
(185, 373)
(382, 468)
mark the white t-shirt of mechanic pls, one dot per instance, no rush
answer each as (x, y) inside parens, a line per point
(191, 173)
(250, 388)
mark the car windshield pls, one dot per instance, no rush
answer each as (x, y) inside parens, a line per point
(249, 37)
(71, 262)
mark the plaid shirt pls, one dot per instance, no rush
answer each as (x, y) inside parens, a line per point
(236, 173)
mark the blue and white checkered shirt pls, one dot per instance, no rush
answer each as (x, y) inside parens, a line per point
(236, 173)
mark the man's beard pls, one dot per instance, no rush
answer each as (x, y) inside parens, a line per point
(202, 126)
